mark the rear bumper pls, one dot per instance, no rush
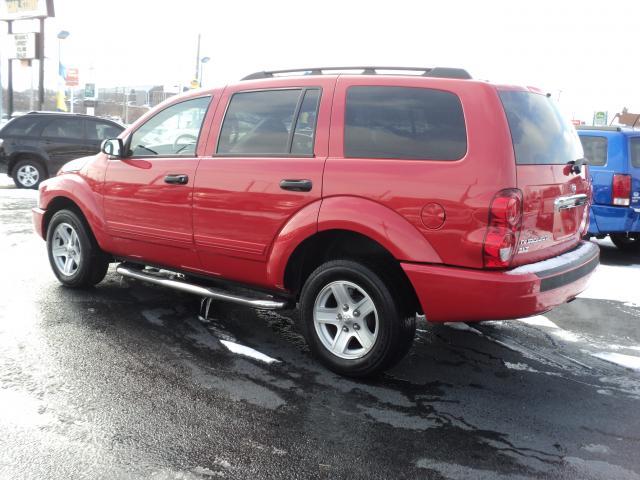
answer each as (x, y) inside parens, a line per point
(37, 215)
(450, 294)
(606, 219)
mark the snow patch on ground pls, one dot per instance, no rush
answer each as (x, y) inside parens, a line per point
(539, 321)
(247, 351)
(565, 335)
(627, 361)
(611, 282)
(520, 366)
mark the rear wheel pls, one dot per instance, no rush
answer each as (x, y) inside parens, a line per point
(352, 320)
(74, 255)
(627, 242)
(28, 173)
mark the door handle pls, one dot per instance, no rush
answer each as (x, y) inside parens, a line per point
(296, 185)
(571, 201)
(177, 179)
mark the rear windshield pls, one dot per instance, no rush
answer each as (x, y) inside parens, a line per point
(634, 151)
(21, 126)
(540, 133)
(595, 149)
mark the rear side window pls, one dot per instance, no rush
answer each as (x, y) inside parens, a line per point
(22, 126)
(540, 133)
(64, 128)
(304, 133)
(404, 123)
(595, 150)
(634, 151)
(270, 122)
(102, 130)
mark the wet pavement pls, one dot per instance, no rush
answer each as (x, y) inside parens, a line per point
(124, 381)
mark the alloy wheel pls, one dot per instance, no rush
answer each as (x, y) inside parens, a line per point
(66, 250)
(28, 175)
(346, 320)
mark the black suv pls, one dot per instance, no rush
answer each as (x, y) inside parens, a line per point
(34, 146)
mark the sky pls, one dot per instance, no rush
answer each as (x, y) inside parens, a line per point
(582, 52)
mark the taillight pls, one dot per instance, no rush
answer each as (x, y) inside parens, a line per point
(584, 223)
(621, 190)
(505, 220)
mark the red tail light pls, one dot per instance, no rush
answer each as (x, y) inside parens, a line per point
(621, 190)
(505, 220)
(584, 224)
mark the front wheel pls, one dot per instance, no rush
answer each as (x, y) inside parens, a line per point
(351, 320)
(627, 242)
(74, 255)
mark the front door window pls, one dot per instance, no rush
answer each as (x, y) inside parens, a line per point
(172, 132)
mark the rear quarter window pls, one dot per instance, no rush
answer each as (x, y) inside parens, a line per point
(595, 150)
(634, 151)
(404, 123)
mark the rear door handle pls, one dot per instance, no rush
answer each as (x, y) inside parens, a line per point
(177, 179)
(296, 185)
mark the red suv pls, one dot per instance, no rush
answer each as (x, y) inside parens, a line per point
(362, 197)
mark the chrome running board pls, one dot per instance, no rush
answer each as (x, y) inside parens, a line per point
(171, 280)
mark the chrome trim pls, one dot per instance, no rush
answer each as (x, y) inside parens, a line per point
(570, 201)
(199, 290)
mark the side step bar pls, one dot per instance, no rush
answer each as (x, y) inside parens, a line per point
(207, 292)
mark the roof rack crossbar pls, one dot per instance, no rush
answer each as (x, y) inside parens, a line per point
(437, 72)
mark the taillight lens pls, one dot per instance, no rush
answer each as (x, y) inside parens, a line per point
(584, 224)
(505, 220)
(621, 190)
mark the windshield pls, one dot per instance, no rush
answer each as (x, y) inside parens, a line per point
(540, 133)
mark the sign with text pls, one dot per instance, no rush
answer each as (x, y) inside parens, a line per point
(21, 9)
(89, 91)
(600, 119)
(73, 77)
(23, 45)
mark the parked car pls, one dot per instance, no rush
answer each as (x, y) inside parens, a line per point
(35, 145)
(613, 154)
(364, 199)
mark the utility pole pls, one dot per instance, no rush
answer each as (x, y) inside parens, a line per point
(197, 77)
(41, 65)
(10, 76)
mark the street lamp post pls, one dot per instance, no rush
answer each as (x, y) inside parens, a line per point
(62, 34)
(203, 60)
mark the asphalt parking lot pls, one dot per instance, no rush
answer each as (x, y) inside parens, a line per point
(124, 381)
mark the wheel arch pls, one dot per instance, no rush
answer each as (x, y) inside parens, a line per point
(327, 245)
(23, 155)
(72, 191)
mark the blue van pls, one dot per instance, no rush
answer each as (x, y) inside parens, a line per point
(613, 156)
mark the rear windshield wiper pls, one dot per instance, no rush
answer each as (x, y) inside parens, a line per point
(576, 165)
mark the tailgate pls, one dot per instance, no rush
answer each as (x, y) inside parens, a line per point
(554, 197)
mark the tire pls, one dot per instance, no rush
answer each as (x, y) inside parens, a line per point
(354, 344)
(74, 255)
(626, 242)
(28, 173)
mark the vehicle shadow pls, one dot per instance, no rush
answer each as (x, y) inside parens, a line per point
(612, 255)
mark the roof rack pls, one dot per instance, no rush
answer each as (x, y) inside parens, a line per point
(603, 128)
(436, 72)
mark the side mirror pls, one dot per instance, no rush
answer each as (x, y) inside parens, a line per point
(113, 147)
